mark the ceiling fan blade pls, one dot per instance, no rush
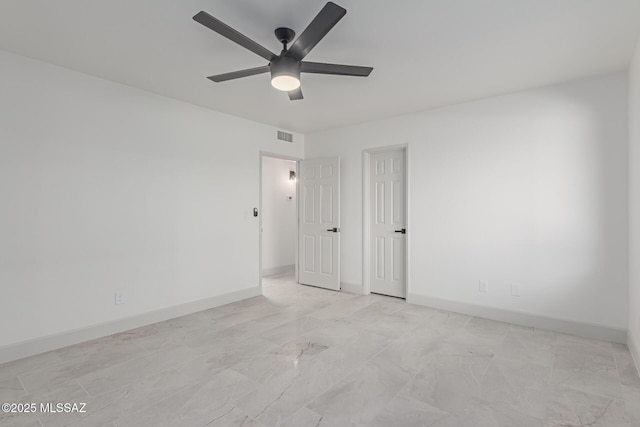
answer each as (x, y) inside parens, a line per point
(341, 70)
(224, 30)
(324, 21)
(295, 94)
(238, 74)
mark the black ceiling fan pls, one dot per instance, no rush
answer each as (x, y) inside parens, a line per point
(286, 68)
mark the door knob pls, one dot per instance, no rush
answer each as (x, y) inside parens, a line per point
(334, 229)
(403, 231)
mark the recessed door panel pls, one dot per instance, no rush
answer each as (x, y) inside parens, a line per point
(380, 202)
(380, 258)
(326, 203)
(309, 243)
(397, 258)
(396, 201)
(326, 247)
(309, 200)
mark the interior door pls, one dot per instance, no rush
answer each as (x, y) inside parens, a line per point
(388, 223)
(319, 245)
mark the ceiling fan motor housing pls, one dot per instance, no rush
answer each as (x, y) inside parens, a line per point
(285, 66)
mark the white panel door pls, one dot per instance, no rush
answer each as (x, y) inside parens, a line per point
(319, 261)
(388, 223)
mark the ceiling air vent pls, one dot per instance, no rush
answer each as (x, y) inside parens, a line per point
(285, 136)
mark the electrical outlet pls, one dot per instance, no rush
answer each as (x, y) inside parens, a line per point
(118, 298)
(483, 286)
(515, 290)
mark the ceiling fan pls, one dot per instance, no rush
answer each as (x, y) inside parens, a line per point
(286, 68)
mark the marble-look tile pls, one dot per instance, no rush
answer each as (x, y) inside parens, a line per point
(528, 345)
(112, 405)
(478, 414)
(487, 327)
(632, 404)
(114, 377)
(224, 357)
(586, 366)
(278, 360)
(262, 367)
(303, 418)
(285, 393)
(464, 342)
(396, 324)
(298, 350)
(21, 366)
(388, 321)
(232, 418)
(20, 423)
(413, 351)
(113, 345)
(376, 310)
(450, 382)
(50, 376)
(330, 335)
(569, 407)
(19, 419)
(169, 335)
(341, 309)
(290, 330)
(444, 321)
(11, 390)
(355, 352)
(69, 391)
(406, 411)
(517, 385)
(626, 368)
(360, 397)
(205, 403)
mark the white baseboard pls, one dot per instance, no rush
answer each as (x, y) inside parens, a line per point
(52, 342)
(584, 330)
(278, 270)
(352, 288)
(634, 350)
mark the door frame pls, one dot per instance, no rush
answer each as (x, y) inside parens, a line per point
(261, 155)
(366, 215)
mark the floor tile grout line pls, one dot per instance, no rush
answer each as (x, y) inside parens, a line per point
(22, 384)
(84, 389)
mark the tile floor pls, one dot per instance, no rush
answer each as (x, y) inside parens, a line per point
(301, 356)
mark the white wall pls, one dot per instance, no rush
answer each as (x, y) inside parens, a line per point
(528, 188)
(279, 215)
(107, 188)
(634, 206)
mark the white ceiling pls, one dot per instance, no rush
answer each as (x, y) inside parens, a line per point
(425, 53)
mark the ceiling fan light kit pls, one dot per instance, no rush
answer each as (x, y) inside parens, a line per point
(286, 67)
(285, 73)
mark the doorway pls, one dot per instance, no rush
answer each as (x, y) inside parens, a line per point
(385, 229)
(279, 216)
